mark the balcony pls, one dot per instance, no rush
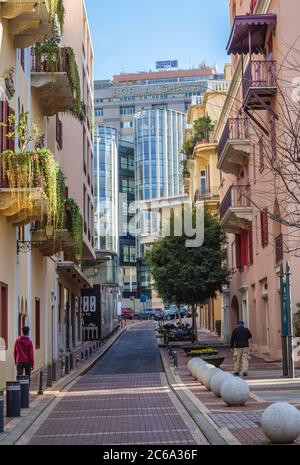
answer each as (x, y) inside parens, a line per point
(23, 204)
(259, 84)
(234, 147)
(210, 195)
(30, 22)
(236, 209)
(50, 76)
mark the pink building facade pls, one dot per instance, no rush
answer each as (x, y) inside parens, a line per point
(256, 159)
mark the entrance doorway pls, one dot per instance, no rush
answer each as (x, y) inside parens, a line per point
(235, 313)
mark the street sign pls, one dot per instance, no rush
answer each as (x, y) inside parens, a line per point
(284, 306)
(143, 298)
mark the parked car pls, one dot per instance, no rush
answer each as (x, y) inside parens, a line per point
(127, 313)
(150, 314)
(172, 312)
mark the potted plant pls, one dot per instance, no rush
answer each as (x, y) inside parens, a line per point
(202, 128)
(203, 352)
(215, 360)
(188, 347)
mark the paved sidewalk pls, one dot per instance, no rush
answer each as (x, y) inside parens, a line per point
(241, 425)
(123, 399)
(14, 428)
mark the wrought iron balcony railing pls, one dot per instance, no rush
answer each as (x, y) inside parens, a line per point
(210, 193)
(235, 129)
(236, 196)
(259, 75)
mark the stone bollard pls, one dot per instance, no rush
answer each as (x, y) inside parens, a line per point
(40, 390)
(1, 411)
(91, 351)
(49, 376)
(54, 371)
(13, 399)
(81, 355)
(63, 361)
(175, 358)
(77, 359)
(67, 365)
(94, 348)
(86, 353)
(97, 345)
(24, 390)
(71, 361)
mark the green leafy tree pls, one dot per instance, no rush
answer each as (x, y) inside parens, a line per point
(190, 276)
(203, 127)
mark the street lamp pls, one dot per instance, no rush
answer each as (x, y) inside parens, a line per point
(27, 246)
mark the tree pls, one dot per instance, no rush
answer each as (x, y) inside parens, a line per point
(190, 276)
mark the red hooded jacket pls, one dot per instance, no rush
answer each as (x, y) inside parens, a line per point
(24, 350)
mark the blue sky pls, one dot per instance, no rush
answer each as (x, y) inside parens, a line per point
(131, 35)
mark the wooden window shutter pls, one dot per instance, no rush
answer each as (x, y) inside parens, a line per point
(4, 313)
(264, 227)
(238, 257)
(250, 247)
(244, 237)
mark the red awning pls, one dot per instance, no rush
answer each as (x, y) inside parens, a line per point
(258, 26)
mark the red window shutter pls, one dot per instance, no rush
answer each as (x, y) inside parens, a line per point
(238, 255)
(244, 237)
(250, 247)
(264, 227)
(4, 312)
(37, 324)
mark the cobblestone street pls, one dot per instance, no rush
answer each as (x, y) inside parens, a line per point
(123, 399)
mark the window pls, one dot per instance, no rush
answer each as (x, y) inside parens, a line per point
(4, 313)
(129, 254)
(244, 249)
(59, 132)
(264, 227)
(126, 124)
(99, 112)
(128, 186)
(127, 164)
(127, 110)
(37, 323)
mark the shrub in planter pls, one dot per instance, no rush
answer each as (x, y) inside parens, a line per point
(201, 352)
(188, 347)
(215, 360)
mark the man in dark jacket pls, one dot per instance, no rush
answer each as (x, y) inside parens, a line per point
(240, 344)
(23, 353)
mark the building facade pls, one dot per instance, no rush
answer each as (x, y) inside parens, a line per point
(117, 101)
(46, 223)
(201, 176)
(159, 135)
(256, 206)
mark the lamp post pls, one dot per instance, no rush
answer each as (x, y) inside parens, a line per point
(288, 366)
(27, 246)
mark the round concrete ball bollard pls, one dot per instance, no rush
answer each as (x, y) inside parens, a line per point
(208, 376)
(193, 364)
(202, 369)
(280, 423)
(217, 381)
(235, 391)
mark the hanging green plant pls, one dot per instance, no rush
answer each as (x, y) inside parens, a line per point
(57, 13)
(76, 223)
(29, 170)
(78, 109)
(48, 57)
(61, 198)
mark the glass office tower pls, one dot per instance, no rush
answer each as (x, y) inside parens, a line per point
(106, 189)
(159, 135)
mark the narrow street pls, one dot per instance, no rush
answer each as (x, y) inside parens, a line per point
(123, 399)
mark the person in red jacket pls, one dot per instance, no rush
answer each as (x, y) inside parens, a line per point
(24, 357)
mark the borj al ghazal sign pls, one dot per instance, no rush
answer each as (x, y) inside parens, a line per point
(141, 91)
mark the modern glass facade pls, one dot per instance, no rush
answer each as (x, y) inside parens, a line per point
(106, 189)
(159, 135)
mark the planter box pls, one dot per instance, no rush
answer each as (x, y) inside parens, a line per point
(217, 362)
(203, 354)
(188, 348)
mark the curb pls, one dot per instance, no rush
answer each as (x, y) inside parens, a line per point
(208, 428)
(18, 426)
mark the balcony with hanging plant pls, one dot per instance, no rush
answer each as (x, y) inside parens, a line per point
(28, 188)
(31, 22)
(55, 76)
(67, 235)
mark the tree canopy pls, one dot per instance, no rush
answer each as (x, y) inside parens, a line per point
(186, 275)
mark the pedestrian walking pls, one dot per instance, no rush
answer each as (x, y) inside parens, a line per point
(23, 353)
(240, 345)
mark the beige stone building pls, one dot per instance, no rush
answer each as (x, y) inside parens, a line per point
(46, 198)
(202, 178)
